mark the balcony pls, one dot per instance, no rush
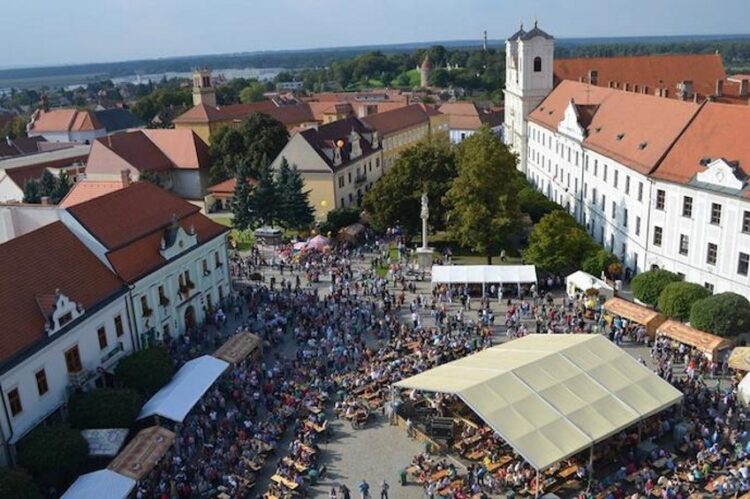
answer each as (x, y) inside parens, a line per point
(360, 179)
(81, 377)
(114, 354)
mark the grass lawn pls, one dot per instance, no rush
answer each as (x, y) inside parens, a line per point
(225, 221)
(465, 256)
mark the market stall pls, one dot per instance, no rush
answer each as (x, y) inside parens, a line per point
(740, 359)
(140, 456)
(714, 347)
(650, 319)
(98, 484)
(580, 282)
(485, 275)
(240, 347)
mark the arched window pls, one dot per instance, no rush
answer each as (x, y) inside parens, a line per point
(537, 64)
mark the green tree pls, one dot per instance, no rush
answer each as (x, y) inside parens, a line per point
(14, 129)
(677, 298)
(252, 93)
(145, 371)
(47, 183)
(599, 261)
(104, 408)
(17, 484)
(258, 136)
(647, 286)
(558, 244)
(535, 204)
(53, 450)
(483, 206)
(241, 208)
(62, 187)
(295, 211)
(150, 176)
(395, 199)
(263, 199)
(32, 191)
(338, 219)
(725, 314)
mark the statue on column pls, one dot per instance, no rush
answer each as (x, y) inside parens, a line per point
(424, 215)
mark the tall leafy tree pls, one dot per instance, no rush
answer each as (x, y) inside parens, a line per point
(62, 187)
(263, 198)
(258, 136)
(241, 200)
(253, 92)
(295, 201)
(31, 191)
(558, 244)
(483, 204)
(428, 166)
(47, 183)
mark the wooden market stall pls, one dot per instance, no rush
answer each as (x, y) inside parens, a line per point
(714, 347)
(240, 347)
(140, 456)
(644, 316)
(740, 359)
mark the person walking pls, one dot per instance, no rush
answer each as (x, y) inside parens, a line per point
(364, 490)
(345, 493)
(384, 489)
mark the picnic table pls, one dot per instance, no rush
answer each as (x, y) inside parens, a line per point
(451, 487)
(281, 480)
(302, 468)
(307, 449)
(439, 475)
(476, 455)
(317, 427)
(566, 472)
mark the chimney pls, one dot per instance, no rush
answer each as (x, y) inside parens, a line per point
(45, 103)
(743, 87)
(719, 88)
(125, 177)
(45, 201)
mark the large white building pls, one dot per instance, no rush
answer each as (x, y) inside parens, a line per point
(660, 182)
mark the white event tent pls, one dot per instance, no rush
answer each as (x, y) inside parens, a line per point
(581, 281)
(552, 396)
(187, 387)
(98, 484)
(484, 274)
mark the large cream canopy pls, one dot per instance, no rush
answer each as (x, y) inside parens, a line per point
(552, 396)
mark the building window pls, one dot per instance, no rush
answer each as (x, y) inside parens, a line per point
(612, 243)
(687, 206)
(746, 222)
(683, 244)
(660, 196)
(709, 287)
(73, 360)
(614, 210)
(377, 162)
(640, 191)
(593, 195)
(41, 382)
(657, 236)
(537, 64)
(65, 319)
(625, 217)
(627, 185)
(119, 330)
(101, 333)
(604, 203)
(743, 263)
(14, 400)
(342, 202)
(349, 177)
(637, 226)
(341, 181)
(711, 254)
(616, 178)
(605, 173)
(204, 267)
(715, 213)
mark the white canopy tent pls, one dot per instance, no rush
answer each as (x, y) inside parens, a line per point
(188, 385)
(484, 274)
(743, 390)
(581, 281)
(102, 483)
(552, 396)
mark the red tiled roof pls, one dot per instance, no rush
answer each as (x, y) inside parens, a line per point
(25, 173)
(464, 115)
(33, 266)
(86, 190)
(183, 147)
(289, 115)
(136, 149)
(716, 132)
(64, 120)
(653, 71)
(397, 119)
(227, 187)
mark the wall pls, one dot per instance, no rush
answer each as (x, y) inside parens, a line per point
(188, 184)
(202, 130)
(18, 220)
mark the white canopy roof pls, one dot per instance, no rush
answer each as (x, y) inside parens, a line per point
(489, 274)
(552, 396)
(583, 280)
(188, 385)
(102, 483)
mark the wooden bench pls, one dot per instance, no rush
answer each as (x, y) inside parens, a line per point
(291, 485)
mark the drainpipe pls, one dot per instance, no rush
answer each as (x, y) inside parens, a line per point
(133, 327)
(10, 426)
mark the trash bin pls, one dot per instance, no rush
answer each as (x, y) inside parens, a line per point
(402, 477)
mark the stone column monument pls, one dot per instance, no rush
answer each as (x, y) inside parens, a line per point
(424, 254)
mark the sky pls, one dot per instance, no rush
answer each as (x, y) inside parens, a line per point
(53, 32)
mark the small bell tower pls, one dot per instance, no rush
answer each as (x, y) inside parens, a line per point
(203, 89)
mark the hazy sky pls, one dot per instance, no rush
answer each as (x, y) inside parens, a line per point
(42, 32)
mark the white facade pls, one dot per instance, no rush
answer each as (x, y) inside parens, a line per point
(459, 135)
(82, 137)
(49, 363)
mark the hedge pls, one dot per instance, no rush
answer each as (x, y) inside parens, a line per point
(104, 408)
(647, 287)
(17, 484)
(53, 449)
(677, 299)
(725, 314)
(145, 371)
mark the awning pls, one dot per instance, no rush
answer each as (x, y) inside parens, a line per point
(552, 396)
(187, 387)
(483, 274)
(239, 347)
(740, 359)
(140, 456)
(636, 313)
(585, 281)
(682, 333)
(102, 483)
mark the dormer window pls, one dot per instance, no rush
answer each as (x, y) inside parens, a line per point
(64, 319)
(537, 64)
(642, 145)
(620, 136)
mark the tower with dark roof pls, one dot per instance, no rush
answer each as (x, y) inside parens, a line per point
(424, 72)
(528, 80)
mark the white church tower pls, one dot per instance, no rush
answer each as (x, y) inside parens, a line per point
(529, 57)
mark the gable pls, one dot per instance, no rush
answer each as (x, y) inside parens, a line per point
(719, 173)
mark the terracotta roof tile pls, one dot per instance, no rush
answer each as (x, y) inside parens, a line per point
(134, 148)
(86, 190)
(33, 266)
(59, 120)
(227, 187)
(397, 119)
(183, 147)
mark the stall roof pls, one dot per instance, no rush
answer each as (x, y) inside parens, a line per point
(740, 358)
(105, 442)
(102, 483)
(478, 274)
(705, 342)
(187, 387)
(140, 456)
(584, 281)
(632, 311)
(238, 347)
(552, 396)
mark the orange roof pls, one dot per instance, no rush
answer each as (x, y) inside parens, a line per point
(682, 333)
(289, 115)
(465, 115)
(397, 119)
(65, 120)
(183, 147)
(652, 71)
(716, 132)
(634, 129)
(33, 267)
(86, 190)
(227, 187)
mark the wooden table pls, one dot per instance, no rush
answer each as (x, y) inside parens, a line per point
(302, 468)
(291, 485)
(439, 475)
(308, 449)
(566, 472)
